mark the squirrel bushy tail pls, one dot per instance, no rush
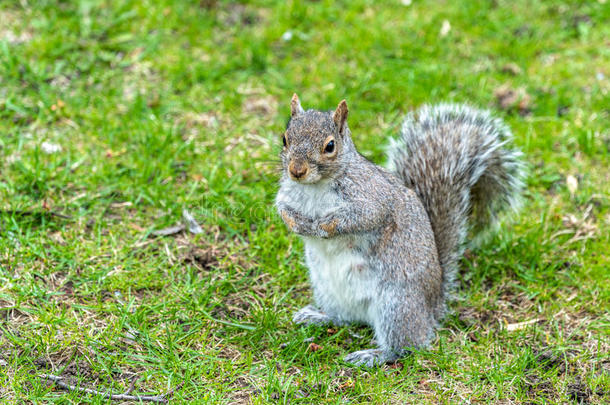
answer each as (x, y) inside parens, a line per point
(458, 161)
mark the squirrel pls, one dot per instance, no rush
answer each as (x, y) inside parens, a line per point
(382, 245)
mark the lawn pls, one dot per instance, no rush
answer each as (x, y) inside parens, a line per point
(115, 116)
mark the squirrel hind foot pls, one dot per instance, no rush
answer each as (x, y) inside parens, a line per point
(370, 357)
(310, 315)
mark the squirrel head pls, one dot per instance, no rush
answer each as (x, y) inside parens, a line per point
(315, 143)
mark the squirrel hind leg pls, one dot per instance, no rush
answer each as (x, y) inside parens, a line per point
(400, 328)
(310, 315)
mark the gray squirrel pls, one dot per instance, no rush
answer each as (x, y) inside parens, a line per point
(382, 245)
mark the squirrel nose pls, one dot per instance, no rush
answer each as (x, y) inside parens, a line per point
(298, 171)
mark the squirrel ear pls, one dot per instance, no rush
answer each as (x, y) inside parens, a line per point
(295, 106)
(340, 115)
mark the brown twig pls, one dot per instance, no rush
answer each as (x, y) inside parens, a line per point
(23, 213)
(160, 398)
(132, 384)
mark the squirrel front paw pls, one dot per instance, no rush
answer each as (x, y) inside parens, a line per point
(293, 220)
(302, 225)
(310, 315)
(328, 227)
(288, 220)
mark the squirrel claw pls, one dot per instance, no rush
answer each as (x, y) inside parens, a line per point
(368, 358)
(309, 315)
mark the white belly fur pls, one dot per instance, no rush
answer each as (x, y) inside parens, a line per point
(341, 278)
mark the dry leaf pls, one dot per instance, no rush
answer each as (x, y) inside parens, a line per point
(347, 384)
(583, 228)
(204, 119)
(521, 325)
(114, 153)
(572, 184)
(121, 204)
(511, 68)
(510, 99)
(172, 230)
(190, 223)
(396, 366)
(57, 238)
(264, 106)
(59, 104)
(314, 347)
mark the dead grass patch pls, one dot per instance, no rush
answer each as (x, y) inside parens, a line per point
(243, 389)
(11, 28)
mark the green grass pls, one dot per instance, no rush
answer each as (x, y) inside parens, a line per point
(159, 106)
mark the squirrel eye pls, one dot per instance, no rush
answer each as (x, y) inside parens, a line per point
(284, 140)
(330, 147)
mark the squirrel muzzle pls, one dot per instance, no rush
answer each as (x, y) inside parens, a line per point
(298, 170)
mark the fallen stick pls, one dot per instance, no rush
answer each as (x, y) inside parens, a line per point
(160, 398)
(132, 385)
(22, 213)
